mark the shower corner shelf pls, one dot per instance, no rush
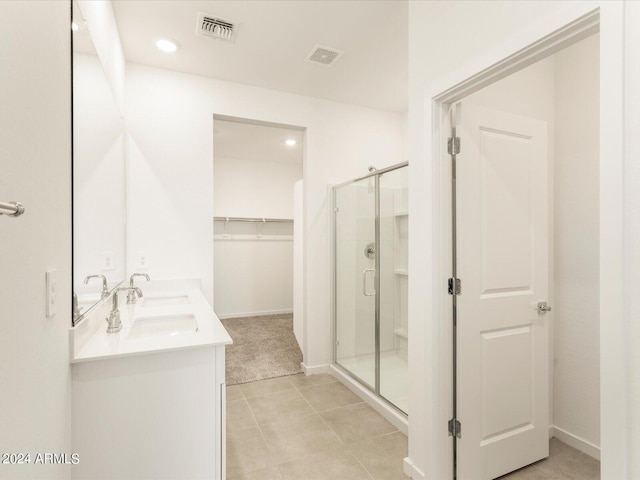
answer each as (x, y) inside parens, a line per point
(401, 271)
(402, 213)
(401, 332)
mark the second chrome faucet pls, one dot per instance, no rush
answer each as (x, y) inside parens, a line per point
(132, 296)
(113, 320)
(133, 293)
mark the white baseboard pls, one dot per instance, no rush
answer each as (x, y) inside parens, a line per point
(315, 369)
(254, 314)
(576, 442)
(411, 471)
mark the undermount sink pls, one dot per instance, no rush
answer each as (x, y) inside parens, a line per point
(163, 326)
(164, 301)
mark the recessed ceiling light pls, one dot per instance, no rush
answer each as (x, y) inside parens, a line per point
(290, 142)
(166, 45)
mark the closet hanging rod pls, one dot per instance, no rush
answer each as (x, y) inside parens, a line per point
(253, 220)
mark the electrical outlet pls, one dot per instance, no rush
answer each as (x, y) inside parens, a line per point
(107, 260)
(143, 260)
(51, 277)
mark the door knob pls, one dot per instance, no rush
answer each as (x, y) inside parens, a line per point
(543, 308)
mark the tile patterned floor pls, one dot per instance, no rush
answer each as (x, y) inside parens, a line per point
(564, 463)
(314, 428)
(310, 428)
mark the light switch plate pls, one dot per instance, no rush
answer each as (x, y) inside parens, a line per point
(52, 292)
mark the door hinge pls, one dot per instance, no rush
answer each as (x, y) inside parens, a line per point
(455, 286)
(453, 145)
(455, 428)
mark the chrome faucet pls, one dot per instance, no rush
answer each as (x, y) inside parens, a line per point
(114, 322)
(131, 296)
(105, 289)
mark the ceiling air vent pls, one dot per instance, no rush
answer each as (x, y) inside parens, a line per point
(322, 55)
(216, 27)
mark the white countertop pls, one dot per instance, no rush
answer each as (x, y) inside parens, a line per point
(90, 340)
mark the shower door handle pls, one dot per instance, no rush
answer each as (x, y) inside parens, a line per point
(364, 282)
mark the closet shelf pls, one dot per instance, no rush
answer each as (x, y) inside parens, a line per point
(252, 238)
(253, 219)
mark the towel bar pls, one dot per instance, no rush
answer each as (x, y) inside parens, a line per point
(13, 209)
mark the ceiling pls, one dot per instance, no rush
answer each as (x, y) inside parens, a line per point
(273, 39)
(247, 141)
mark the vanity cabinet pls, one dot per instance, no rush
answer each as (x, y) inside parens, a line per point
(154, 416)
(149, 401)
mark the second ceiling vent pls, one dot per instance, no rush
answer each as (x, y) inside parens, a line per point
(323, 55)
(216, 27)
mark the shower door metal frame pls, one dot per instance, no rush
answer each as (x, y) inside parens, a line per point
(376, 174)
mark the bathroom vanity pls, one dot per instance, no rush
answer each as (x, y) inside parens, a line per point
(148, 401)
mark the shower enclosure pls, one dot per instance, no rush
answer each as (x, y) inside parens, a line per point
(370, 280)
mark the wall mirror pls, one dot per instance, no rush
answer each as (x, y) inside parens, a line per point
(98, 175)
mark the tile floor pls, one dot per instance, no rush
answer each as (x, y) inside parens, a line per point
(314, 428)
(564, 463)
(310, 428)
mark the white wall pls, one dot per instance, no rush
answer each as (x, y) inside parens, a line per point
(632, 236)
(170, 121)
(253, 276)
(101, 23)
(98, 175)
(529, 92)
(576, 305)
(248, 188)
(35, 158)
(494, 30)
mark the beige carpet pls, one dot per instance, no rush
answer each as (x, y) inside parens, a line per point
(263, 347)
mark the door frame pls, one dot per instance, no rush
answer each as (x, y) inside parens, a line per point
(568, 26)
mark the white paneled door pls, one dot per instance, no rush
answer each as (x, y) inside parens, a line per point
(503, 262)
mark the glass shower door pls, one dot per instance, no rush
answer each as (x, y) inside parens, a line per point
(394, 283)
(355, 279)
